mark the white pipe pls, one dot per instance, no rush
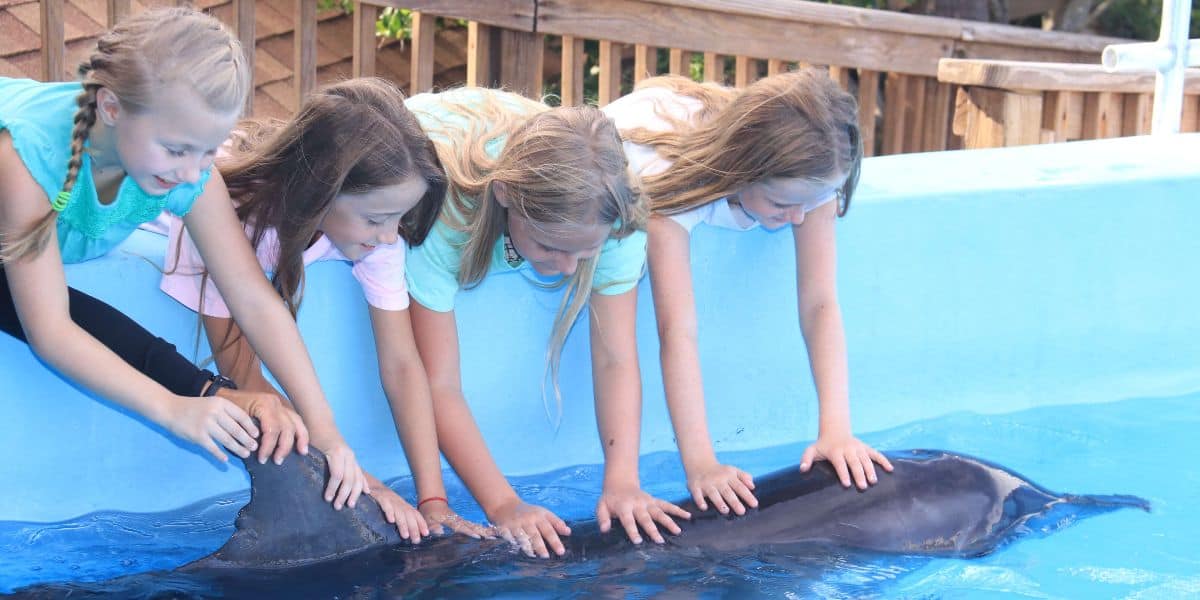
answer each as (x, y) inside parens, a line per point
(1169, 57)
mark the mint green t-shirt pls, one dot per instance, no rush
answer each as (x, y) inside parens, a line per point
(40, 117)
(433, 267)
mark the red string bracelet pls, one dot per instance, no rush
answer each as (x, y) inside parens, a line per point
(431, 499)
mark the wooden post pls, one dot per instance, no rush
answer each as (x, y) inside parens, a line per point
(991, 118)
(1101, 115)
(573, 60)
(54, 45)
(304, 50)
(868, 102)
(775, 66)
(1136, 117)
(243, 23)
(938, 110)
(714, 67)
(480, 72)
(895, 101)
(680, 62)
(841, 75)
(744, 71)
(610, 72)
(1190, 120)
(363, 63)
(119, 9)
(521, 57)
(1064, 116)
(424, 26)
(645, 62)
(914, 115)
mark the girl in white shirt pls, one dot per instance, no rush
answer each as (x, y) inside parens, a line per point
(783, 151)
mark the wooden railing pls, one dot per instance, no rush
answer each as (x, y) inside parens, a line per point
(888, 60)
(1007, 103)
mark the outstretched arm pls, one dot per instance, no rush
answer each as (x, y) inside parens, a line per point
(821, 323)
(669, 257)
(617, 386)
(534, 528)
(272, 332)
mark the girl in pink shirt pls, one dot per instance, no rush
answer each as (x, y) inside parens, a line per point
(353, 178)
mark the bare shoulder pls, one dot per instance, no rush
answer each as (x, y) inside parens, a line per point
(23, 198)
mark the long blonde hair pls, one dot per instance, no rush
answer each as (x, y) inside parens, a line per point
(561, 167)
(136, 60)
(792, 125)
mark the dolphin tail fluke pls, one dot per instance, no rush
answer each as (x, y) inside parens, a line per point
(1108, 502)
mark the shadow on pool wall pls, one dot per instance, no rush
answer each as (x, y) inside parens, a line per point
(988, 281)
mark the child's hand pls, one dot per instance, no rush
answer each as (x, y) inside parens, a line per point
(282, 428)
(439, 514)
(727, 486)
(212, 420)
(408, 521)
(346, 478)
(636, 508)
(848, 455)
(533, 528)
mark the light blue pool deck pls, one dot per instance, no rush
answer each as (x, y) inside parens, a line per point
(989, 281)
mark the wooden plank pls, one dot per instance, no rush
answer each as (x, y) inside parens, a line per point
(363, 43)
(775, 66)
(1102, 114)
(508, 14)
(938, 110)
(610, 72)
(714, 67)
(680, 62)
(424, 26)
(914, 114)
(645, 62)
(119, 9)
(868, 103)
(745, 71)
(1136, 117)
(521, 58)
(1064, 115)
(726, 30)
(991, 118)
(243, 24)
(304, 51)
(841, 75)
(895, 99)
(1190, 120)
(53, 39)
(573, 60)
(1038, 76)
(480, 72)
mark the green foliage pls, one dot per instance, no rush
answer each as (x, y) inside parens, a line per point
(394, 23)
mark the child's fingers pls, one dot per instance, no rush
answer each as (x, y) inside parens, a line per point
(747, 479)
(360, 485)
(744, 493)
(243, 419)
(878, 457)
(223, 437)
(285, 445)
(843, 473)
(335, 479)
(235, 429)
(630, 524)
(856, 469)
(806, 461)
(731, 498)
(718, 501)
(603, 517)
(868, 466)
(422, 524)
(698, 496)
(548, 539)
(301, 433)
(269, 441)
(660, 516)
(345, 487)
(214, 450)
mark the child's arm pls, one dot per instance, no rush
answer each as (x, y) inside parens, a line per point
(39, 293)
(533, 527)
(272, 332)
(408, 395)
(617, 386)
(825, 337)
(282, 429)
(669, 256)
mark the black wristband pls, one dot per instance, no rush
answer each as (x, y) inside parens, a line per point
(219, 382)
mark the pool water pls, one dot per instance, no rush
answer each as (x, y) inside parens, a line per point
(1140, 446)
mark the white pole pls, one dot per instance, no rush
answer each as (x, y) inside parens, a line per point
(1169, 56)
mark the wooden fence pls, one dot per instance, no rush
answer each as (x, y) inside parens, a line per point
(888, 60)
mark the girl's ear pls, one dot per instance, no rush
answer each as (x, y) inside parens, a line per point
(500, 192)
(108, 106)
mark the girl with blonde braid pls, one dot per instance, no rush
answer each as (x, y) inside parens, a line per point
(81, 166)
(784, 152)
(535, 188)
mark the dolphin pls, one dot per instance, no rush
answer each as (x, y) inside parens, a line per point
(935, 503)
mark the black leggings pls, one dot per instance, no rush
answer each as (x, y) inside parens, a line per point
(144, 351)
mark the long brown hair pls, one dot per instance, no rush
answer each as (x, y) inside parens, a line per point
(562, 168)
(136, 60)
(792, 125)
(349, 137)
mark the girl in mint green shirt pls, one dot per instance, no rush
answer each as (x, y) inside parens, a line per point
(547, 190)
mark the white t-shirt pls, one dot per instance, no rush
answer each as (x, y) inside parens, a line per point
(381, 272)
(640, 110)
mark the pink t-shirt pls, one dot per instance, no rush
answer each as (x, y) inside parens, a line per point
(381, 273)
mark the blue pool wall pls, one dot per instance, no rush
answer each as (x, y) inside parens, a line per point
(987, 281)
